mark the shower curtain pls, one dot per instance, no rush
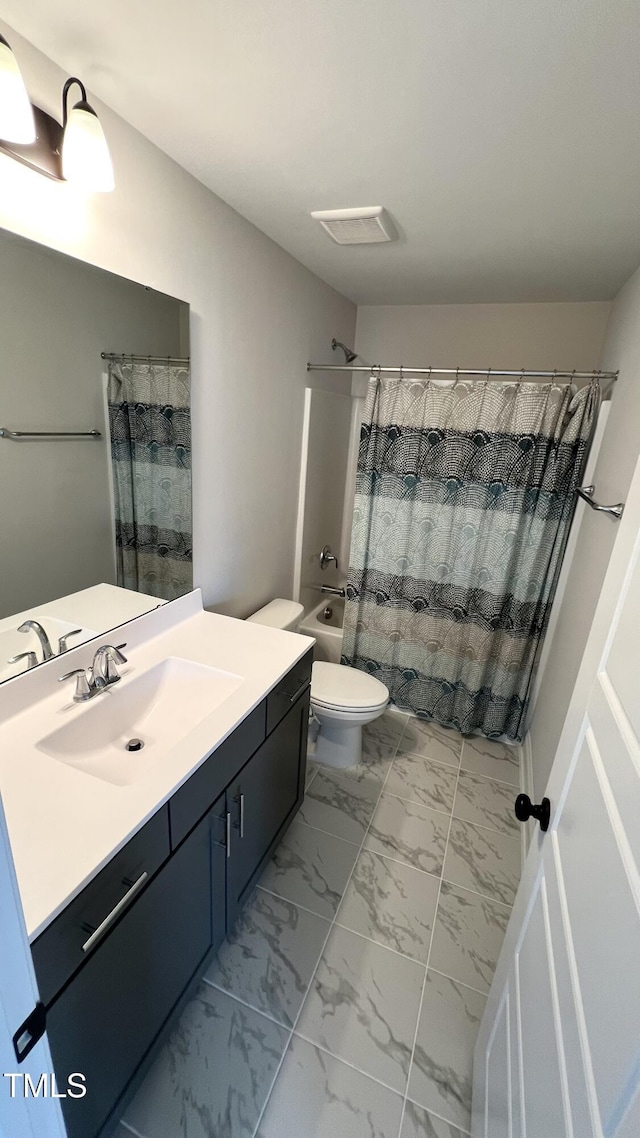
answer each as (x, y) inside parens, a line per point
(464, 497)
(150, 428)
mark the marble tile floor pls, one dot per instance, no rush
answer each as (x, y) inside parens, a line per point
(348, 998)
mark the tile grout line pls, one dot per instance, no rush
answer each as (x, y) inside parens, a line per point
(129, 1129)
(490, 778)
(327, 833)
(432, 1114)
(347, 1063)
(490, 829)
(461, 984)
(474, 892)
(331, 927)
(250, 1007)
(426, 973)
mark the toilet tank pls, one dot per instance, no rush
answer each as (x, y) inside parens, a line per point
(279, 614)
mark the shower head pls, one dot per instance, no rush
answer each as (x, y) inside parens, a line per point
(349, 356)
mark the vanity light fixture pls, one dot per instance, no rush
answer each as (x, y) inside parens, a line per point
(85, 155)
(74, 152)
(16, 116)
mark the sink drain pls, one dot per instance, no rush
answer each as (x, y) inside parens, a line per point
(134, 745)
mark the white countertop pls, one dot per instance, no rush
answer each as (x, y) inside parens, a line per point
(65, 824)
(94, 610)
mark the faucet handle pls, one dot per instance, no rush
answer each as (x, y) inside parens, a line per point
(326, 557)
(62, 642)
(30, 657)
(83, 688)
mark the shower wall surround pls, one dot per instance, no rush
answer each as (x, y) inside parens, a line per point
(323, 490)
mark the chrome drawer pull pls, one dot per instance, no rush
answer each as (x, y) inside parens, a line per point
(115, 912)
(242, 815)
(296, 695)
(228, 833)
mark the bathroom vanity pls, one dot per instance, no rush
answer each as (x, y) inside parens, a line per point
(134, 875)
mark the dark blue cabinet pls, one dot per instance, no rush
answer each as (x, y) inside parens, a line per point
(103, 1023)
(120, 960)
(262, 799)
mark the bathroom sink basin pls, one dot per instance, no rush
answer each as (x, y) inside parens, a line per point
(12, 642)
(157, 709)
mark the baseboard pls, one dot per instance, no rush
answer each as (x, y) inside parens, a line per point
(526, 787)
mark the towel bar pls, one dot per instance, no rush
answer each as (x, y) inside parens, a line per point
(587, 492)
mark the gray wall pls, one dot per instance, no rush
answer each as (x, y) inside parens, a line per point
(613, 473)
(56, 316)
(257, 316)
(484, 335)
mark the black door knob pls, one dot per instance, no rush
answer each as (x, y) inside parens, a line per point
(526, 809)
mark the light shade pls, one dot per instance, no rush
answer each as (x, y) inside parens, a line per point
(16, 115)
(86, 160)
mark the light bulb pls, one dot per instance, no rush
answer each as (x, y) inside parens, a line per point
(85, 155)
(16, 115)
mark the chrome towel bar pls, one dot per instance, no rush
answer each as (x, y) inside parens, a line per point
(587, 492)
(6, 433)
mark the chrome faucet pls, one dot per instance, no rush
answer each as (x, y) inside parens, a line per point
(101, 675)
(326, 557)
(30, 657)
(33, 626)
(104, 665)
(62, 642)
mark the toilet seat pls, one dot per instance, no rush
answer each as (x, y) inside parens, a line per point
(336, 687)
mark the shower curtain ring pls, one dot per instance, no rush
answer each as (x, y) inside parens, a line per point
(489, 374)
(430, 369)
(401, 375)
(521, 376)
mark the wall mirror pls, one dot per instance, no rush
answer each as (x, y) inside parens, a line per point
(95, 450)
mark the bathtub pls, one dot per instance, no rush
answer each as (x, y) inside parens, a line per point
(327, 629)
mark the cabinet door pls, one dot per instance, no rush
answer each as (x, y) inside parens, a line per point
(263, 799)
(106, 1019)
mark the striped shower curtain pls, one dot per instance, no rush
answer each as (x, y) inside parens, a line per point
(464, 497)
(150, 428)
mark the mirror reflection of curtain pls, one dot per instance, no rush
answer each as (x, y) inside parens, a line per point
(150, 428)
(464, 498)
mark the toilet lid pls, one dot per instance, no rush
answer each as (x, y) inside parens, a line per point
(335, 685)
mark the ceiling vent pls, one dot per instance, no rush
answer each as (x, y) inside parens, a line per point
(364, 226)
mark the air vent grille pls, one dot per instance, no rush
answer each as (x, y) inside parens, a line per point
(365, 226)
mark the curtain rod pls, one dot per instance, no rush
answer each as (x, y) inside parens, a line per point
(145, 359)
(486, 373)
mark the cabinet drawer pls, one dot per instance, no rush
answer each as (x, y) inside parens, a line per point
(200, 791)
(290, 688)
(62, 947)
(105, 1021)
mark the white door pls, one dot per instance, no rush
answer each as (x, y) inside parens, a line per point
(558, 1053)
(21, 1114)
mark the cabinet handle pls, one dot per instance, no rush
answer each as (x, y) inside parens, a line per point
(105, 925)
(242, 815)
(296, 695)
(228, 833)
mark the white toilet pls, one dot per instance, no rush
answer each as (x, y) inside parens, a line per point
(342, 699)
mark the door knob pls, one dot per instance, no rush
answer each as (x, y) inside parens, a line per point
(526, 809)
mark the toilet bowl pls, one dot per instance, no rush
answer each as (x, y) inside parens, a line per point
(342, 699)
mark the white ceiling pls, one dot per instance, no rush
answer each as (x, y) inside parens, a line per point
(502, 135)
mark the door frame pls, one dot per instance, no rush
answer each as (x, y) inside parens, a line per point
(20, 1117)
